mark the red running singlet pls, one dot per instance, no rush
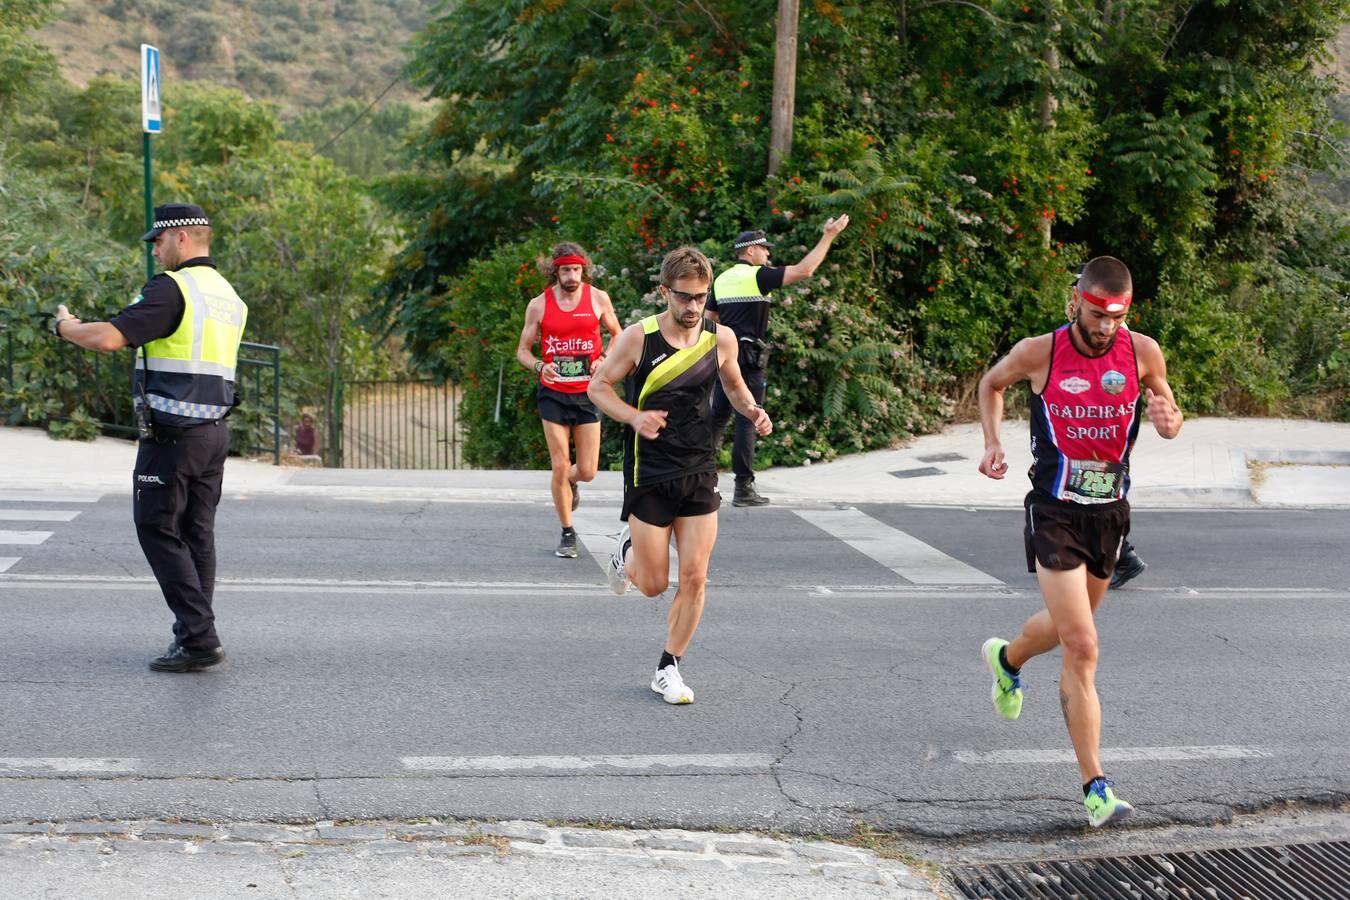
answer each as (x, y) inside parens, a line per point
(571, 341)
(1085, 420)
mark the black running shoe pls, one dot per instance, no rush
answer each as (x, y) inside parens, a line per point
(567, 547)
(1128, 567)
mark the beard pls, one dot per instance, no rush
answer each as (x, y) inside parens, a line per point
(1091, 339)
(569, 286)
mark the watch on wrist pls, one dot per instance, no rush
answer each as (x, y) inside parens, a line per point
(538, 366)
(56, 326)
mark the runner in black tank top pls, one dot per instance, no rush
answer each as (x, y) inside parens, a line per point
(670, 473)
(1086, 381)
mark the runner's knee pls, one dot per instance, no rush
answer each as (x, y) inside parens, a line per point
(1080, 647)
(651, 585)
(585, 471)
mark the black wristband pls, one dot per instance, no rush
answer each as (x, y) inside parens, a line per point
(56, 326)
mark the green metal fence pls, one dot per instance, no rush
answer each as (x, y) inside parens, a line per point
(405, 424)
(104, 380)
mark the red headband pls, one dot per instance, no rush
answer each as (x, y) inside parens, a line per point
(570, 260)
(1110, 304)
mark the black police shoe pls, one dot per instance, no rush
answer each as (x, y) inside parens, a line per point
(746, 495)
(1129, 566)
(183, 659)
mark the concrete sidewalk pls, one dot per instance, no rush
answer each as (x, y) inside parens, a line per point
(1212, 463)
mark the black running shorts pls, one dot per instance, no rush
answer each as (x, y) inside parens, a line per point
(662, 503)
(566, 409)
(1063, 535)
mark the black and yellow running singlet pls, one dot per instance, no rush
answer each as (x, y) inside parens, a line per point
(679, 381)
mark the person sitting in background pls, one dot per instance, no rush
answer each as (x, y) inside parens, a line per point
(306, 437)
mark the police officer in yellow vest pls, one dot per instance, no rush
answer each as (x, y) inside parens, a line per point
(187, 322)
(740, 301)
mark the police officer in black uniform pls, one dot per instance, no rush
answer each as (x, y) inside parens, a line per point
(187, 323)
(740, 301)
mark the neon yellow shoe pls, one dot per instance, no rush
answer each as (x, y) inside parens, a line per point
(1007, 689)
(1102, 804)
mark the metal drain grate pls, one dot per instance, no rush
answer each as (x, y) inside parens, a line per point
(1316, 871)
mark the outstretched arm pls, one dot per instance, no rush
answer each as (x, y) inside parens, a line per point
(812, 260)
(100, 336)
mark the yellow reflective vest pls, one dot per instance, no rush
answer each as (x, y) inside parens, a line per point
(189, 375)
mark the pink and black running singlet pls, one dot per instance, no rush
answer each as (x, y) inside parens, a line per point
(571, 341)
(1085, 420)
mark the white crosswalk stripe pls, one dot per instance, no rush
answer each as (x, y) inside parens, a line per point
(23, 537)
(32, 538)
(598, 527)
(38, 515)
(903, 554)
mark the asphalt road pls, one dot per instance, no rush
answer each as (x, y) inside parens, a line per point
(405, 659)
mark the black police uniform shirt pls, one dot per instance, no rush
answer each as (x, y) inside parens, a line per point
(159, 309)
(751, 319)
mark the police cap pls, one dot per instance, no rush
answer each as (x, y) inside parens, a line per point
(175, 215)
(750, 239)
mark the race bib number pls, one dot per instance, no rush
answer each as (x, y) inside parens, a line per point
(573, 368)
(1092, 481)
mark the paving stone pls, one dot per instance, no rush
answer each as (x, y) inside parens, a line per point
(352, 832)
(695, 864)
(598, 839)
(517, 831)
(870, 874)
(144, 847)
(829, 853)
(430, 832)
(785, 868)
(71, 828)
(387, 847)
(219, 848)
(26, 828)
(471, 851)
(749, 848)
(263, 834)
(663, 842)
(185, 831)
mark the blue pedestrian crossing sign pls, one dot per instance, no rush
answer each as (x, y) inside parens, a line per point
(150, 114)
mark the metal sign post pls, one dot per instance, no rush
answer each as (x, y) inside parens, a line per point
(150, 124)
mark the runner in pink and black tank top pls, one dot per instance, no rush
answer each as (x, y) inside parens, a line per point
(1084, 421)
(1085, 382)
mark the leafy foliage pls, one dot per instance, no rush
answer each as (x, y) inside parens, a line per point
(982, 150)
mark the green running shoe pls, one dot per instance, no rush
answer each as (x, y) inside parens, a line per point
(1102, 804)
(1007, 690)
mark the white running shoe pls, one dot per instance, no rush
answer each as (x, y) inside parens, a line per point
(668, 683)
(618, 578)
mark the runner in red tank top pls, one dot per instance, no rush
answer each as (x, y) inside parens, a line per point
(565, 320)
(1085, 383)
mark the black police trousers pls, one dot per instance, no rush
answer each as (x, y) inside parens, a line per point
(743, 444)
(175, 491)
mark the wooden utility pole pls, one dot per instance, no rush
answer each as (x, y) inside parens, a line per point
(1050, 103)
(784, 84)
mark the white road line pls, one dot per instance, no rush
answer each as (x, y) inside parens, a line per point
(103, 583)
(24, 537)
(903, 554)
(25, 765)
(38, 515)
(738, 761)
(48, 497)
(1110, 754)
(7, 561)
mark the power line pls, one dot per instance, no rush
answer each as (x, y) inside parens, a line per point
(359, 116)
